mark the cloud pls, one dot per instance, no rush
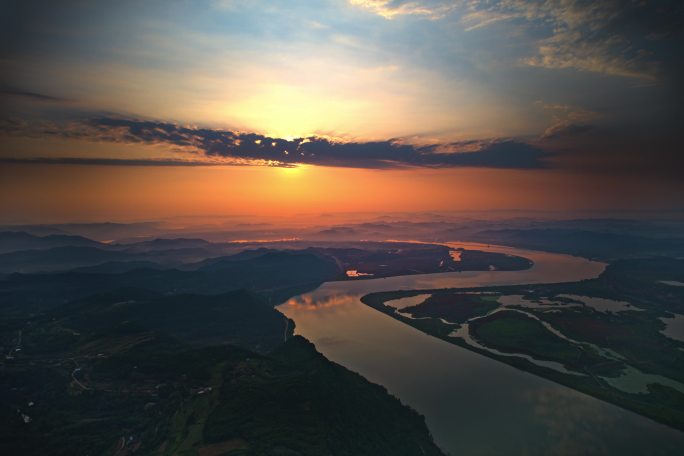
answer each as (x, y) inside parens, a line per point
(106, 161)
(568, 121)
(567, 130)
(34, 96)
(323, 151)
(228, 147)
(506, 153)
(604, 36)
(611, 55)
(614, 37)
(390, 9)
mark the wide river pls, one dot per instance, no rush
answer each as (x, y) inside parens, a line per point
(472, 404)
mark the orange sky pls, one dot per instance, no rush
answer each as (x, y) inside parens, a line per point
(56, 193)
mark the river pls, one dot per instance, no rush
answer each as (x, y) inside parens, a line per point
(472, 404)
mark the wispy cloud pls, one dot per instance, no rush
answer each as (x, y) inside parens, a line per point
(107, 161)
(390, 9)
(567, 120)
(33, 96)
(591, 36)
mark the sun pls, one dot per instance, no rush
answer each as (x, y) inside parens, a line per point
(292, 171)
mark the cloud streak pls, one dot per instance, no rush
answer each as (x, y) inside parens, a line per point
(390, 9)
(568, 121)
(33, 96)
(230, 147)
(106, 161)
(604, 36)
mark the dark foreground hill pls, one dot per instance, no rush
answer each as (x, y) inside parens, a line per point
(138, 372)
(237, 317)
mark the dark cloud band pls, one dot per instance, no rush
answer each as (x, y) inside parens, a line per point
(103, 161)
(229, 147)
(319, 151)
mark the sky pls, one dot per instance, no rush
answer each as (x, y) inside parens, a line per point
(150, 109)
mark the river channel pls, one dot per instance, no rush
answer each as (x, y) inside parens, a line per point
(472, 404)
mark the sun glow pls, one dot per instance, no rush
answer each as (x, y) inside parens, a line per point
(292, 171)
(288, 111)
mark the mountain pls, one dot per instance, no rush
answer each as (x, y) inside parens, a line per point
(66, 258)
(57, 258)
(238, 317)
(165, 244)
(117, 267)
(590, 244)
(275, 274)
(109, 230)
(12, 241)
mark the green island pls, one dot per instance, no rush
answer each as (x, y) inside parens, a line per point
(606, 337)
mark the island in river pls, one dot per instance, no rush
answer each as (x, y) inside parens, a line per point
(605, 336)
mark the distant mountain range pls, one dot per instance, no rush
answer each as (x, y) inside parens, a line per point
(276, 274)
(589, 244)
(12, 241)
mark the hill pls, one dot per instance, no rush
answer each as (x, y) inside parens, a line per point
(12, 241)
(276, 274)
(137, 372)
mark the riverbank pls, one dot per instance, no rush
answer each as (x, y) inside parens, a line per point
(472, 404)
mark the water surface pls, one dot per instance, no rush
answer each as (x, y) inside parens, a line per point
(472, 404)
(674, 327)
